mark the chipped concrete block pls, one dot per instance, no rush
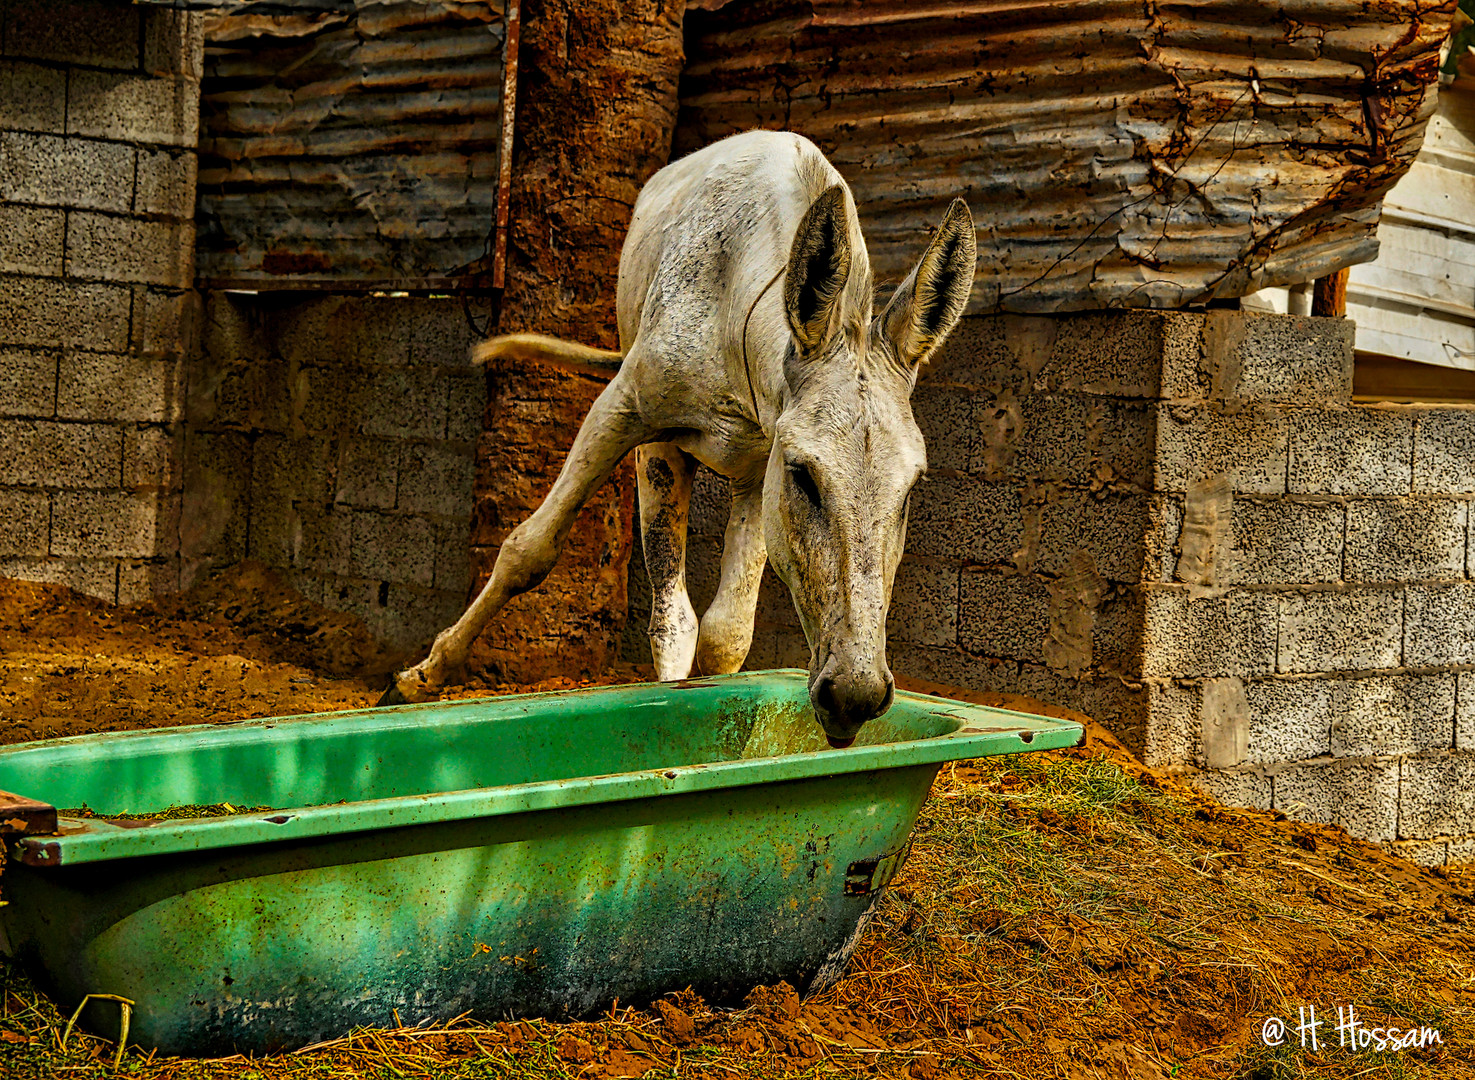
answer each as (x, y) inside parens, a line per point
(90, 577)
(1281, 542)
(133, 108)
(436, 480)
(1444, 450)
(1360, 795)
(368, 472)
(924, 603)
(1002, 615)
(1211, 636)
(105, 386)
(1439, 625)
(392, 547)
(1461, 850)
(1074, 597)
(1247, 788)
(127, 249)
(963, 518)
(25, 523)
(31, 240)
(1164, 527)
(1116, 640)
(1360, 450)
(1199, 441)
(164, 322)
(1341, 631)
(1174, 733)
(994, 427)
(173, 43)
(1406, 539)
(44, 453)
(79, 173)
(27, 383)
(32, 97)
(1437, 797)
(94, 524)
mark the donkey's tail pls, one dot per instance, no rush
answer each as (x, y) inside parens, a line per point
(568, 355)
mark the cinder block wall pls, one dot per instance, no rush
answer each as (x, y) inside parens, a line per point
(98, 115)
(1180, 524)
(333, 438)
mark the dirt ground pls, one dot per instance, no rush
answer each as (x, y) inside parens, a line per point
(1063, 914)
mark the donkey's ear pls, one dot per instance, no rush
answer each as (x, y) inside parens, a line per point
(819, 263)
(929, 303)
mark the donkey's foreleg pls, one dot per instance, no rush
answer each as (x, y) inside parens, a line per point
(727, 625)
(663, 476)
(608, 433)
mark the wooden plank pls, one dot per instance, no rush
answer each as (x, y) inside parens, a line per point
(1389, 378)
(20, 816)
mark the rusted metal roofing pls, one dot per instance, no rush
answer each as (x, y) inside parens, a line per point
(349, 143)
(1114, 152)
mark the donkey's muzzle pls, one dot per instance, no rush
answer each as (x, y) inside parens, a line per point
(844, 700)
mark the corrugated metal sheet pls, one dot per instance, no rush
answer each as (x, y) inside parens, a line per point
(1114, 152)
(349, 148)
(1417, 302)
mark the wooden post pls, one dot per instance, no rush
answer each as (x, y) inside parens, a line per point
(1329, 295)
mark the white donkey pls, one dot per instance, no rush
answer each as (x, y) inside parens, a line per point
(790, 390)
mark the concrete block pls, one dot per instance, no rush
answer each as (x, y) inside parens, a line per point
(32, 97)
(289, 469)
(1396, 714)
(1437, 797)
(453, 559)
(73, 31)
(323, 540)
(704, 574)
(1280, 358)
(1361, 450)
(31, 240)
(951, 666)
(44, 453)
(217, 498)
(1406, 539)
(374, 331)
(1465, 711)
(165, 183)
(1196, 442)
(1421, 852)
(25, 523)
(1361, 796)
(1439, 625)
(1122, 709)
(46, 312)
(439, 334)
(1212, 636)
(711, 503)
(1341, 631)
(173, 43)
(368, 471)
(1164, 525)
(1112, 527)
(1174, 732)
(264, 394)
(977, 355)
(924, 603)
(52, 171)
(233, 326)
(1224, 716)
(106, 386)
(164, 322)
(1461, 850)
(126, 249)
(1116, 638)
(1281, 542)
(436, 480)
(1123, 439)
(153, 458)
(1053, 441)
(133, 108)
(1247, 788)
(93, 524)
(991, 434)
(963, 518)
(393, 548)
(90, 577)
(1444, 450)
(142, 581)
(404, 403)
(945, 417)
(1003, 615)
(27, 383)
(1120, 354)
(466, 402)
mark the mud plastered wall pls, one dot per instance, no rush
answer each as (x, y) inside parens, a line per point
(98, 115)
(1181, 525)
(333, 438)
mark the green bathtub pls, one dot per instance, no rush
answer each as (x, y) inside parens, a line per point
(543, 854)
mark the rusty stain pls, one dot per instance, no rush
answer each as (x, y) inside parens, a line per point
(1115, 153)
(349, 143)
(22, 816)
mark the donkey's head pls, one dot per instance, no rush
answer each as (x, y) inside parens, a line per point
(846, 450)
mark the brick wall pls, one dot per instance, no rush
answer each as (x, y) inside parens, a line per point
(1180, 524)
(333, 438)
(98, 115)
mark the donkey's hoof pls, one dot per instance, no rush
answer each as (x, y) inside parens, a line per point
(392, 696)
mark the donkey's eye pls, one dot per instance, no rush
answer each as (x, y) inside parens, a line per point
(804, 481)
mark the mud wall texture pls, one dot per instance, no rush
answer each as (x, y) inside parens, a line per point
(333, 437)
(1179, 524)
(98, 118)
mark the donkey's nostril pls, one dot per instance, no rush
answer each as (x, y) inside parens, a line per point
(825, 697)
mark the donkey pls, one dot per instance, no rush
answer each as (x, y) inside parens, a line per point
(793, 392)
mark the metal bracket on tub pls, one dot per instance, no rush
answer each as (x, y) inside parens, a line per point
(20, 816)
(866, 876)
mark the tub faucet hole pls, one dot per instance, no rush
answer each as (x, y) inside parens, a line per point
(1026, 736)
(280, 819)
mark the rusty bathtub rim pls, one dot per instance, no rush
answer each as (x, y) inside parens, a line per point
(982, 731)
